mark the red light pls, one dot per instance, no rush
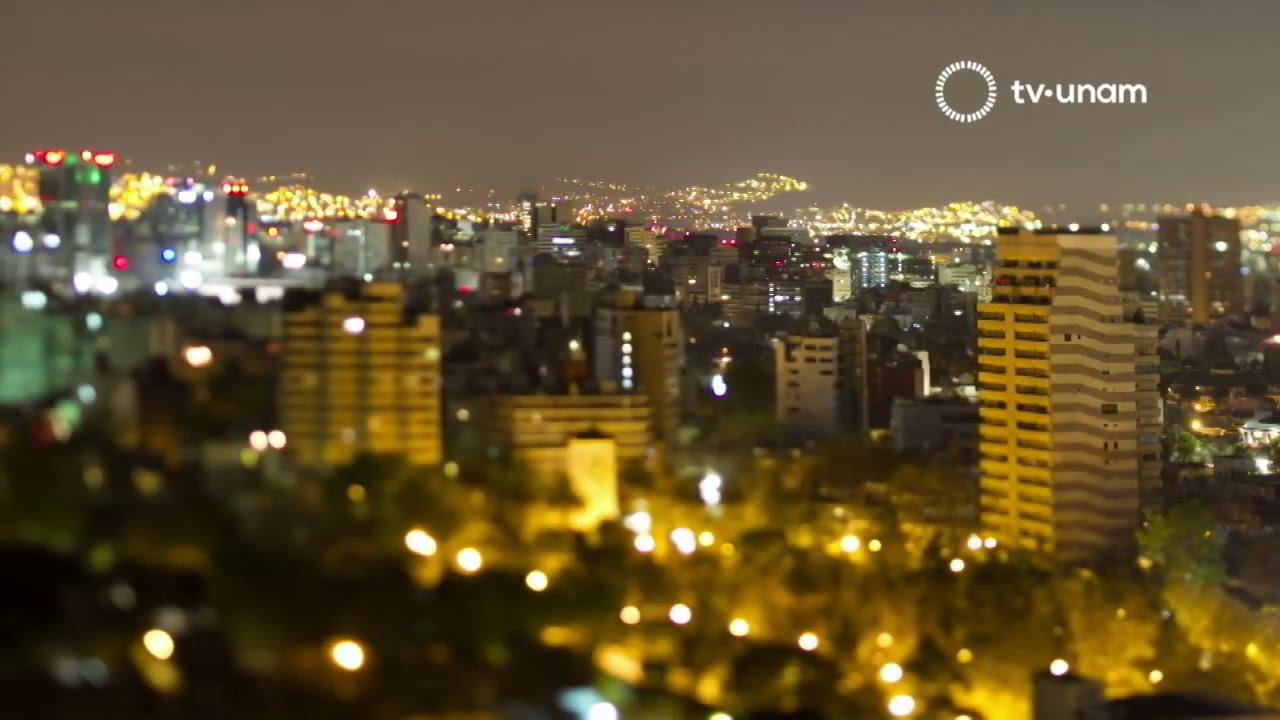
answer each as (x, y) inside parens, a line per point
(53, 157)
(120, 262)
(104, 159)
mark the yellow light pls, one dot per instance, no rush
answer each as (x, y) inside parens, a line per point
(884, 640)
(469, 559)
(891, 673)
(536, 580)
(684, 540)
(964, 655)
(644, 542)
(1155, 676)
(356, 493)
(198, 356)
(719, 716)
(159, 643)
(807, 642)
(850, 543)
(630, 614)
(739, 627)
(874, 545)
(706, 538)
(902, 705)
(420, 543)
(680, 614)
(956, 565)
(347, 654)
(1059, 667)
(974, 542)
(990, 543)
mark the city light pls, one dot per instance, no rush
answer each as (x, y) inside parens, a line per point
(680, 614)
(956, 565)
(536, 580)
(719, 387)
(469, 560)
(258, 440)
(198, 356)
(890, 673)
(159, 643)
(645, 543)
(420, 543)
(739, 627)
(1059, 667)
(807, 642)
(684, 540)
(353, 325)
(347, 655)
(629, 615)
(850, 543)
(276, 439)
(901, 705)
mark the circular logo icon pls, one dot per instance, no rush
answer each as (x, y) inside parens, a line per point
(939, 91)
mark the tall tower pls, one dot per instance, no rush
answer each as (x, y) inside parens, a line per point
(1070, 432)
(1199, 265)
(641, 349)
(361, 375)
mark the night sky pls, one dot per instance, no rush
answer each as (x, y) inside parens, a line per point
(436, 94)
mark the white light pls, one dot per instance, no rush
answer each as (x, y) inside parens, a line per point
(1220, 246)
(645, 543)
(990, 543)
(1073, 227)
(420, 543)
(602, 711)
(902, 705)
(469, 559)
(739, 627)
(258, 440)
(807, 642)
(82, 282)
(162, 288)
(353, 325)
(34, 300)
(198, 355)
(252, 253)
(208, 195)
(685, 541)
(639, 522)
(190, 278)
(1106, 227)
(188, 196)
(1059, 667)
(277, 439)
(86, 394)
(347, 654)
(629, 614)
(850, 543)
(891, 673)
(680, 614)
(192, 257)
(956, 565)
(709, 488)
(51, 240)
(107, 284)
(536, 580)
(159, 643)
(22, 241)
(718, 386)
(293, 261)
(93, 321)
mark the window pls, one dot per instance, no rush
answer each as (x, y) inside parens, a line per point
(1109, 409)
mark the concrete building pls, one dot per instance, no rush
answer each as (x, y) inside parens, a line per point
(808, 387)
(1199, 267)
(539, 431)
(361, 375)
(640, 349)
(1070, 430)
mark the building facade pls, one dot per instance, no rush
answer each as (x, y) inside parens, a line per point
(1199, 267)
(1070, 418)
(361, 375)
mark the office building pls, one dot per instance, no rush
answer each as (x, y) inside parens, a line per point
(361, 374)
(640, 349)
(809, 392)
(1199, 267)
(1070, 426)
(538, 430)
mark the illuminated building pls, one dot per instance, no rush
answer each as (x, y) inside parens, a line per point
(539, 430)
(361, 374)
(647, 239)
(499, 249)
(641, 349)
(1070, 430)
(360, 247)
(808, 385)
(75, 192)
(1199, 267)
(412, 234)
(41, 351)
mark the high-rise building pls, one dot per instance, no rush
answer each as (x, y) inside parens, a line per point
(360, 247)
(361, 374)
(1199, 267)
(498, 249)
(1070, 418)
(538, 429)
(641, 350)
(76, 226)
(809, 392)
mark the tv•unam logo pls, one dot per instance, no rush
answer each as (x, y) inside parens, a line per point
(1064, 93)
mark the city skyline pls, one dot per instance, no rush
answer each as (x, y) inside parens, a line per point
(392, 96)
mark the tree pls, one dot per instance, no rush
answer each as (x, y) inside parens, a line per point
(1186, 542)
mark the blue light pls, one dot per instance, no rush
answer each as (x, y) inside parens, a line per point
(168, 255)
